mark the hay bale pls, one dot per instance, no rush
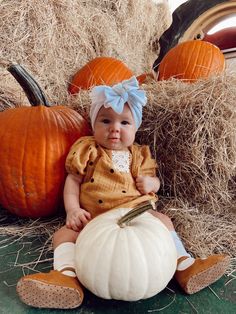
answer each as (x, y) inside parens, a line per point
(191, 130)
(53, 39)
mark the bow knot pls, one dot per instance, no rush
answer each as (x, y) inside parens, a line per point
(116, 96)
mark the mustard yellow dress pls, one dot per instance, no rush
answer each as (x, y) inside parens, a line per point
(109, 176)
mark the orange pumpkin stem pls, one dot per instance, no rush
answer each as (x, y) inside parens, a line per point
(31, 88)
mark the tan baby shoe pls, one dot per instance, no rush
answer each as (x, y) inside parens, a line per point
(50, 290)
(202, 273)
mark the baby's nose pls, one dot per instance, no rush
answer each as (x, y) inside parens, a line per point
(115, 127)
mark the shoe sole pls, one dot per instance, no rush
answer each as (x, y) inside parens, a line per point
(207, 277)
(42, 295)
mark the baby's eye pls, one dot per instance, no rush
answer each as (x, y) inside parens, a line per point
(106, 121)
(125, 122)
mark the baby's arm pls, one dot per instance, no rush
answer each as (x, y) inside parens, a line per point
(147, 184)
(76, 217)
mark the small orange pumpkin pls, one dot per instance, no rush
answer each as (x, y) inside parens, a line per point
(99, 71)
(34, 143)
(191, 60)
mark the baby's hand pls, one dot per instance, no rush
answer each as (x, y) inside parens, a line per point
(146, 184)
(77, 219)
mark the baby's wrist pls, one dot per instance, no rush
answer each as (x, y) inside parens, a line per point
(73, 210)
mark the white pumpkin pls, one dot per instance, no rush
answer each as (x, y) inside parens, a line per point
(132, 262)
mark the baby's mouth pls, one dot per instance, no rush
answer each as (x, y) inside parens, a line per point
(114, 139)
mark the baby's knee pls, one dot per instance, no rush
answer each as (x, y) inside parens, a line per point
(64, 235)
(164, 219)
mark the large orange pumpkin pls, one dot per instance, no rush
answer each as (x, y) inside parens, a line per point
(99, 71)
(34, 143)
(191, 60)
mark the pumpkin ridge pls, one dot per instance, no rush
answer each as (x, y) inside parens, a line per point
(7, 137)
(118, 64)
(91, 228)
(52, 128)
(119, 73)
(167, 66)
(144, 259)
(214, 61)
(148, 234)
(100, 255)
(189, 67)
(179, 61)
(34, 126)
(114, 248)
(108, 70)
(100, 232)
(23, 183)
(194, 57)
(58, 122)
(196, 70)
(89, 76)
(107, 67)
(98, 73)
(207, 61)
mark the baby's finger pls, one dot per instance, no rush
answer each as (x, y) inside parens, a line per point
(84, 220)
(88, 215)
(69, 224)
(76, 225)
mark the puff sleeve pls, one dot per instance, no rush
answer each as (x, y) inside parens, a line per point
(79, 155)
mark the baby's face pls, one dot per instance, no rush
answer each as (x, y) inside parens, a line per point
(114, 131)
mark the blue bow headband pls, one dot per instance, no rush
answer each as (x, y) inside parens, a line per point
(116, 96)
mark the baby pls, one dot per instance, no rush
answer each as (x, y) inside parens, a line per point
(106, 171)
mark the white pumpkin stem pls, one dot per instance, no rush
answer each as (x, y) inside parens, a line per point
(136, 211)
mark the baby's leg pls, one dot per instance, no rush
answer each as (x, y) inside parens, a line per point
(64, 251)
(59, 289)
(194, 274)
(164, 219)
(64, 235)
